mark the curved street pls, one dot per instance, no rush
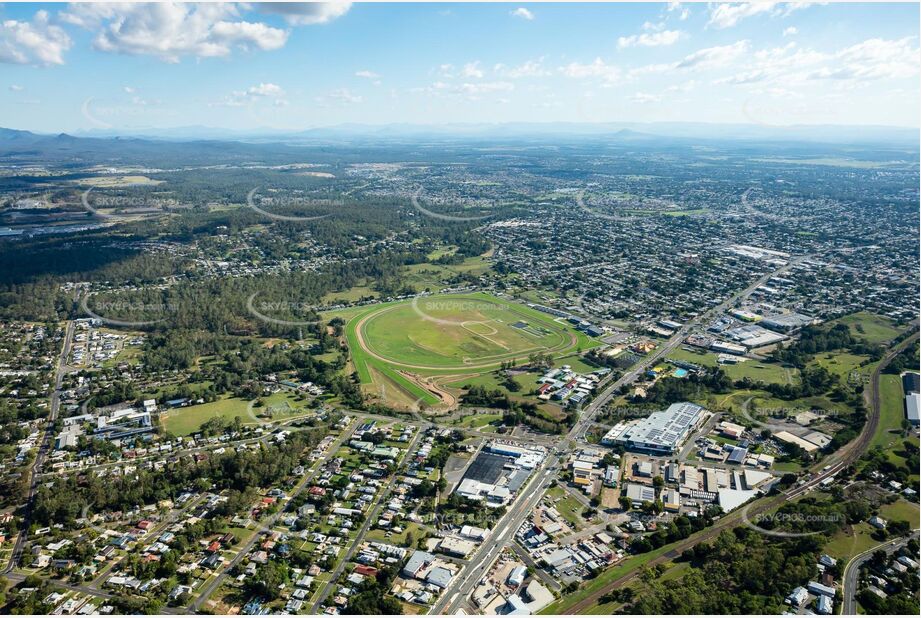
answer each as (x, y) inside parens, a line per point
(851, 572)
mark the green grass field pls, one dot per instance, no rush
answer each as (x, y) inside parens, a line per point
(756, 370)
(413, 529)
(842, 364)
(351, 295)
(891, 412)
(900, 510)
(186, 421)
(479, 420)
(876, 328)
(437, 276)
(845, 545)
(454, 332)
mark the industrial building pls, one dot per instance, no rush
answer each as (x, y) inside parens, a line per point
(911, 384)
(786, 322)
(498, 472)
(662, 432)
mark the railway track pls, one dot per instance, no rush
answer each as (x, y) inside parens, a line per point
(842, 458)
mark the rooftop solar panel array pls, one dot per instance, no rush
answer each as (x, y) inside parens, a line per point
(665, 428)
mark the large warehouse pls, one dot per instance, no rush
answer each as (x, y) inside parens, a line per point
(664, 432)
(911, 384)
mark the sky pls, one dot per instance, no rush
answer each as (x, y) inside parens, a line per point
(295, 66)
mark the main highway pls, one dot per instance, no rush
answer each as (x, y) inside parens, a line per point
(43, 448)
(460, 588)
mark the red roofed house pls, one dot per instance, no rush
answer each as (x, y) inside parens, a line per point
(369, 571)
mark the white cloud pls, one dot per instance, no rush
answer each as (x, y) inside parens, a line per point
(650, 39)
(683, 12)
(747, 77)
(790, 31)
(728, 14)
(531, 68)
(472, 70)
(645, 97)
(305, 13)
(485, 87)
(523, 13)
(266, 90)
(714, 57)
(776, 63)
(260, 92)
(344, 95)
(469, 90)
(16, 88)
(129, 89)
(367, 74)
(599, 68)
(170, 31)
(683, 87)
(874, 59)
(869, 60)
(37, 42)
(650, 69)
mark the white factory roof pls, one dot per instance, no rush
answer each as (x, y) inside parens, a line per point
(912, 403)
(665, 429)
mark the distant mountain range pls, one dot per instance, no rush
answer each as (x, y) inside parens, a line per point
(207, 146)
(631, 131)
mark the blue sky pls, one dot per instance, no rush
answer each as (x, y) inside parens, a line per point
(295, 66)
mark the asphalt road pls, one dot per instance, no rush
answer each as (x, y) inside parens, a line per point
(463, 585)
(852, 570)
(840, 460)
(43, 448)
(373, 513)
(214, 583)
(456, 593)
